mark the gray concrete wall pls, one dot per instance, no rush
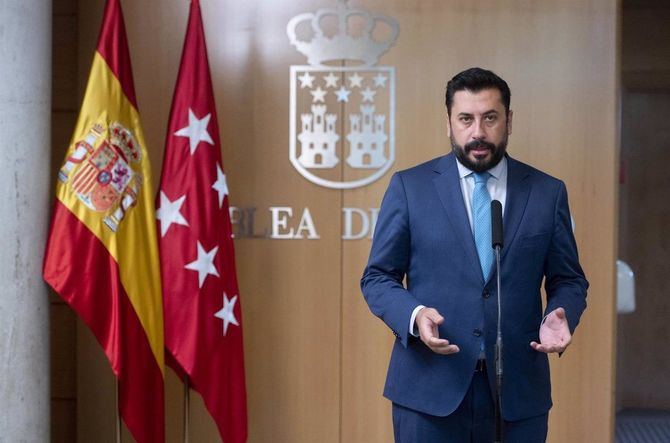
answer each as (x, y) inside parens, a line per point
(25, 107)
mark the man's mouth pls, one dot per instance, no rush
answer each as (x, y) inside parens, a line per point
(479, 150)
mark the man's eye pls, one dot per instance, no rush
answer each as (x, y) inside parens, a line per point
(490, 118)
(466, 119)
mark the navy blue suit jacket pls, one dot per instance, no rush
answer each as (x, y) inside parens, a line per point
(423, 235)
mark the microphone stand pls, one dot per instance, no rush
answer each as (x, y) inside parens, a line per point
(498, 359)
(497, 243)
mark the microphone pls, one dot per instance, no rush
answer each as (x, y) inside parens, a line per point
(496, 224)
(497, 244)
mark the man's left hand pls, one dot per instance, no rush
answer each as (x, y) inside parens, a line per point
(554, 333)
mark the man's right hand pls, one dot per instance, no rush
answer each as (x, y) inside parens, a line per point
(427, 321)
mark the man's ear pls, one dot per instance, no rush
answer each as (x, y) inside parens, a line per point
(509, 121)
(448, 126)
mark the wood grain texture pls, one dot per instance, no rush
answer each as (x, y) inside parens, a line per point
(315, 357)
(645, 45)
(560, 61)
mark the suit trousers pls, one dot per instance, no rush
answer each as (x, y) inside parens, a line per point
(472, 422)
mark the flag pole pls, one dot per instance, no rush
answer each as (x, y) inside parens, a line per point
(118, 416)
(186, 408)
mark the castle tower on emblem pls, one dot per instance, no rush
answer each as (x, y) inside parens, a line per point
(318, 138)
(342, 104)
(367, 139)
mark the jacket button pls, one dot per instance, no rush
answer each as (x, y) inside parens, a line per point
(477, 332)
(486, 293)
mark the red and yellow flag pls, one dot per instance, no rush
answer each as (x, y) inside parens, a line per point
(102, 255)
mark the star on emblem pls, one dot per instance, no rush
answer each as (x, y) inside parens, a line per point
(380, 80)
(368, 94)
(169, 213)
(342, 94)
(204, 264)
(306, 80)
(356, 80)
(226, 313)
(331, 80)
(196, 131)
(220, 185)
(318, 95)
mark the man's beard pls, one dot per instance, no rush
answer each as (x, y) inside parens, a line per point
(479, 165)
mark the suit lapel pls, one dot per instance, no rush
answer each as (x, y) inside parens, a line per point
(448, 187)
(518, 189)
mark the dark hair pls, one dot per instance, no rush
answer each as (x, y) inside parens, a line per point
(475, 80)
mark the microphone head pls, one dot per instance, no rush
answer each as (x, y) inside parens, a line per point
(496, 224)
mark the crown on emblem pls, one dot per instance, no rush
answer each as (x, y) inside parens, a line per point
(342, 45)
(123, 139)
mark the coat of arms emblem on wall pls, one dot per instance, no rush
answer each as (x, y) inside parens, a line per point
(342, 105)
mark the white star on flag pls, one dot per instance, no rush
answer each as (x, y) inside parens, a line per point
(331, 80)
(368, 95)
(342, 94)
(169, 213)
(196, 131)
(306, 80)
(356, 80)
(226, 313)
(380, 80)
(204, 264)
(220, 185)
(318, 95)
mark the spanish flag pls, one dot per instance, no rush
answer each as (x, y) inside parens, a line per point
(102, 255)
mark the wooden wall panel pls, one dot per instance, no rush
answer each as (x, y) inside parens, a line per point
(316, 358)
(560, 61)
(645, 45)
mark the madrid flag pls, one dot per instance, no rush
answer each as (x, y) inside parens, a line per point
(203, 318)
(102, 254)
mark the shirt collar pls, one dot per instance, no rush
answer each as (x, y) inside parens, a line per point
(495, 171)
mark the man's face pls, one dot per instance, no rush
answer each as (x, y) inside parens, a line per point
(478, 128)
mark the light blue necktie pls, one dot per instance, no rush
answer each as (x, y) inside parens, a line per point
(481, 221)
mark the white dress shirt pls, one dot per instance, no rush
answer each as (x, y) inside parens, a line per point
(497, 187)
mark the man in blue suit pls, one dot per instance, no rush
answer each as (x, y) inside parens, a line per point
(433, 232)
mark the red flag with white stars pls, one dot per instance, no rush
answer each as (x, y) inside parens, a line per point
(203, 318)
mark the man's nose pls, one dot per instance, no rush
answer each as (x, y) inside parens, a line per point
(478, 132)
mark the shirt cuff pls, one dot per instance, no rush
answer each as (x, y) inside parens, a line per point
(413, 331)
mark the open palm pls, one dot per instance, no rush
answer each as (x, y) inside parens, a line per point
(554, 333)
